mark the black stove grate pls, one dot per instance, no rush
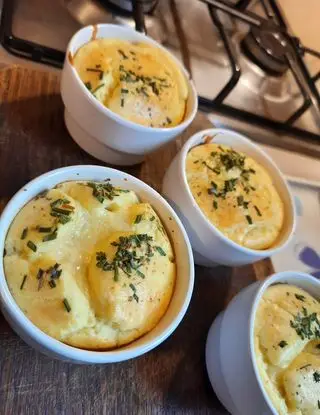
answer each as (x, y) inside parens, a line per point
(293, 52)
(273, 24)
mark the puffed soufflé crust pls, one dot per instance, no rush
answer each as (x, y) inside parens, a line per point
(137, 81)
(287, 349)
(236, 194)
(90, 265)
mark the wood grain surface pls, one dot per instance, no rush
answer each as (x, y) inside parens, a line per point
(170, 379)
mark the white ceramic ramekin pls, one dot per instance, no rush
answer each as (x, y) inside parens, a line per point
(230, 354)
(101, 132)
(183, 254)
(210, 246)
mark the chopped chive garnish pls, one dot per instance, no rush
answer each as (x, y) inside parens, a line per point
(52, 284)
(97, 88)
(300, 297)
(122, 102)
(124, 91)
(257, 210)
(88, 85)
(138, 219)
(94, 70)
(283, 344)
(249, 219)
(305, 366)
(168, 120)
(24, 233)
(160, 250)
(316, 376)
(135, 297)
(245, 204)
(215, 204)
(116, 273)
(40, 274)
(50, 236)
(307, 326)
(61, 211)
(133, 288)
(32, 246)
(23, 282)
(67, 305)
(152, 218)
(123, 55)
(43, 229)
(240, 200)
(140, 274)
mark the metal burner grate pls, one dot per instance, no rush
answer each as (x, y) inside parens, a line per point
(292, 53)
(268, 44)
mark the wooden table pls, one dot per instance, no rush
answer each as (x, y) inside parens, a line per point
(170, 379)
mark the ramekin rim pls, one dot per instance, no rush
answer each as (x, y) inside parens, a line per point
(49, 342)
(121, 120)
(193, 141)
(275, 278)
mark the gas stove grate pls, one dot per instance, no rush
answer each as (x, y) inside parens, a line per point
(292, 54)
(289, 53)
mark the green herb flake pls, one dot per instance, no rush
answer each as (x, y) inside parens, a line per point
(140, 274)
(66, 305)
(316, 376)
(32, 246)
(124, 91)
(43, 229)
(23, 282)
(160, 250)
(133, 288)
(24, 233)
(249, 219)
(50, 236)
(116, 273)
(300, 297)
(122, 102)
(94, 70)
(88, 85)
(123, 55)
(138, 219)
(305, 366)
(152, 218)
(97, 88)
(52, 284)
(307, 326)
(169, 121)
(240, 200)
(135, 297)
(283, 344)
(215, 204)
(126, 257)
(318, 404)
(257, 210)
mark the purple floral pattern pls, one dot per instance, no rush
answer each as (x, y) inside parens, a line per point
(312, 259)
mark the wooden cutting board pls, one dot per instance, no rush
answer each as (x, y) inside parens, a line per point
(170, 379)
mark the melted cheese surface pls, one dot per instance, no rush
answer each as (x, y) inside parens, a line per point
(94, 303)
(138, 81)
(236, 194)
(287, 349)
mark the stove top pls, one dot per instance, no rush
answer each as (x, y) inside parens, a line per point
(251, 73)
